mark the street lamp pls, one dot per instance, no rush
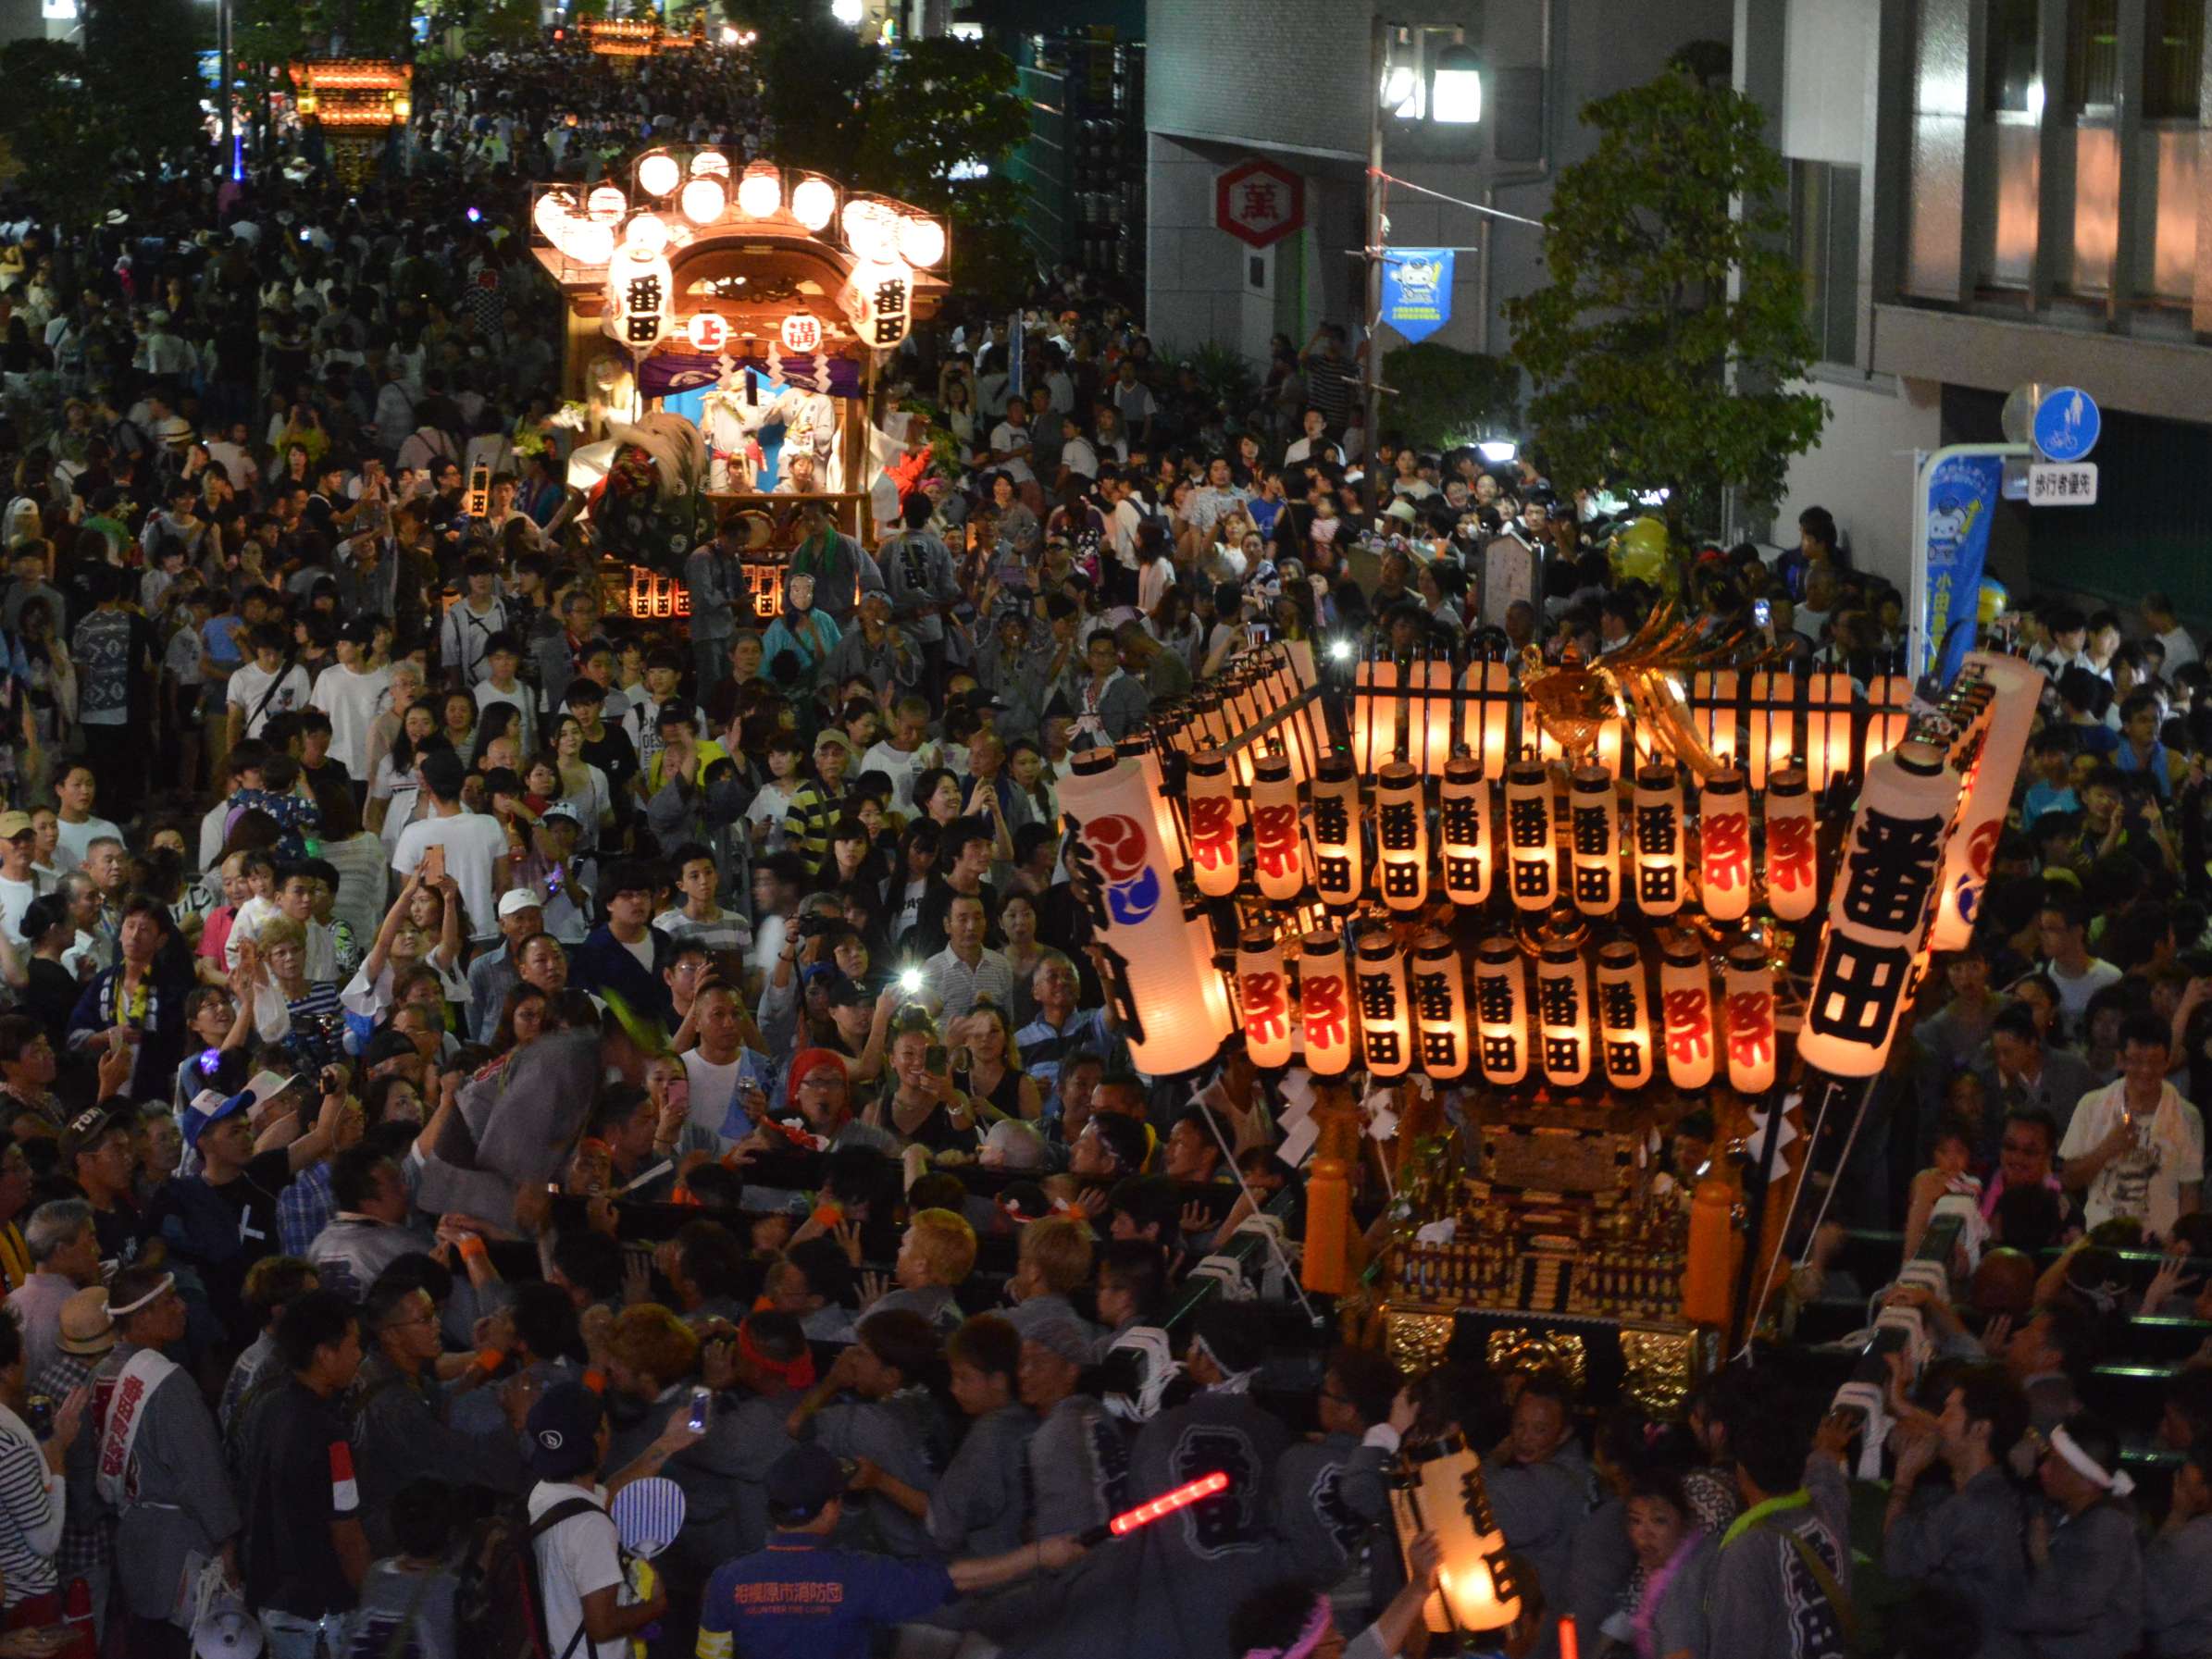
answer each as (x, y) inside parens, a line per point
(848, 12)
(1457, 96)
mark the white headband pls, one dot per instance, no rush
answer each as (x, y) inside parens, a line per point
(168, 1281)
(2084, 1464)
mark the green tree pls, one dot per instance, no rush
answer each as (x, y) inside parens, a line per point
(1633, 342)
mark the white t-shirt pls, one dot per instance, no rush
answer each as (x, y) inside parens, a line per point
(14, 899)
(69, 851)
(712, 1089)
(2074, 992)
(353, 701)
(900, 768)
(574, 1559)
(2145, 1181)
(474, 844)
(249, 684)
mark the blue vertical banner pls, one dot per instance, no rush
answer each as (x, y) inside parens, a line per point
(1417, 291)
(1962, 493)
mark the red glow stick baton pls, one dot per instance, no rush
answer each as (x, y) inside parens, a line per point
(1570, 1643)
(1166, 1504)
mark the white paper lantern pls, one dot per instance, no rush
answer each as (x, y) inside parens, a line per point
(1884, 898)
(1657, 812)
(710, 164)
(1211, 801)
(648, 231)
(1686, 1011)
(2016, 688)
(1502, 1010)
(1725, 846)
(608, 204)
(1593, 841)
(760, 191)
(921, 239)
(552, 213)
(1463, 828)
(1385, 1011)
(801, 333)
(658, 174)
(707, 333)
(1278, 862)
(1532, 848)
(871, 229)
(1401, 837)
(1439, 990)
(1623, 1015)
(1324, 1004)
(1338, 874)
(814, 202)
(1443, 1494)
(1563, 1013)
(638, 291)
(1263, 992)
(1793, 845)
(881, 308)
(1141, 918)
(1749, 987)
(703, 201)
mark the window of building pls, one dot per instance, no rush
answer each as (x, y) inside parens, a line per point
(2173, 61)
(2013, 85)
(2091, 55)
(1824, 233)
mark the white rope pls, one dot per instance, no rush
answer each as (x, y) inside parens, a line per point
(1495, 213)
(1812, 1146)
(1252, 1201)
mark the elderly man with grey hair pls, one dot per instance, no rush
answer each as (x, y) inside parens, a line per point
(65, 1258)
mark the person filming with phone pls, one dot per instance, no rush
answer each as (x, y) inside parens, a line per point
(2135, 1147)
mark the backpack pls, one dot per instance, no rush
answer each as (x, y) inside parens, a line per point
(500, 1612)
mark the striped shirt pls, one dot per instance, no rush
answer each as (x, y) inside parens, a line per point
(317, 1025)
(35, 1507)
(305, 1208)
(807, 825)
(86, 1542)
(951, 981)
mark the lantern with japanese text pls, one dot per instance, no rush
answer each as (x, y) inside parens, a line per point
(1439, 989)
(2016, 688)
(1464, 827)
(1793, 855)
(801, 333)
(1593, 841)
(882, 302)
(1656, 811)
(1725, 846)
(640, 300)
(1878, 916)
(1502, 1010)
(1173, 1023)
(1263, 989)
(1623, 1015)
(1686, 1011)
(1441, 1493)
(1210, 800)
(1278, 862)
(1385, 1021)
(1563, 1010)
(1401, 837)
(1532, 851)
(1337, 843)
(1324, 1004)
(1748, 985)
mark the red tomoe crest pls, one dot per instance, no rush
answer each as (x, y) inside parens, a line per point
(1118, 843)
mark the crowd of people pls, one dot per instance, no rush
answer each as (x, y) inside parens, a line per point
(471, 1055)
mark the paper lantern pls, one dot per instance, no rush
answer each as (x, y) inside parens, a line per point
(1337, 872)
(1374, 714)
(703, 200)
(1725, 846)
(1502, 1010)
(1563, 1011)
(551, 215)
(707, 333)
(1719, 696)
(1276, 860)
(801, 333)
(1889, 699)
(1442, 1491)
(1748, 984)
(1487, 715)
(710, 164)
(658, 174)
(1464, 827)
(1793, 854)
(882, 302)
(1385, 1011)
(814, 202)
(1401, 837)
(1623, 1015)
(871, 229)
(760, 191)
(608, 204)
(2015, 688)
(1431, 725)
(1138, 746)
(639, 288)
(1439, 990)
(646, 230)
(1830, 699)
(1532, 852)
(1878, 917)
(1656, 810)
(1324, 1004)
(1211, 801)
(1593, 841)
(1129, 876)
(1686, 1011)
(920, 238)
(1774, 724)
(1264, 990)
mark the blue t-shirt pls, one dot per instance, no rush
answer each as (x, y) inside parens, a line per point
(221, 634)
(799, 1598)
(2043, 798)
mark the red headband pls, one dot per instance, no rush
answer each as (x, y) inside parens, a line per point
(793, 1373)
(804, 1064)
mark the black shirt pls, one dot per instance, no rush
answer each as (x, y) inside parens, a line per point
(296, 1479)
(613, 753)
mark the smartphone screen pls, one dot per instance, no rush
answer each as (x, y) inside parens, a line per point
(433, 864)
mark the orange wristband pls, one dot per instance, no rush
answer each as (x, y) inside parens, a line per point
(489, 1360)
(596, 1380)
(472, 1245)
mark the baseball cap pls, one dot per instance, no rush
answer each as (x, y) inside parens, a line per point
(207, 1111)
(444, 772)
(848, 993)
(516, 898)
(87, 1326)
(564, 1433)
(387, 1044)
(85, 1130)
(13, 825)
(828, 737)
(801, 1482)
(563, 811)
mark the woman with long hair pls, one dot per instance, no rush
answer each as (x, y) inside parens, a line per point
(1170, 621)
(395, 798)
(583, 785)
(987, 1066)
(52, 688)
(1155, 567)
(522, 1019)
(406, 687)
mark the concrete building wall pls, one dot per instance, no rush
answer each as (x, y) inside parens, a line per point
(1862, 471)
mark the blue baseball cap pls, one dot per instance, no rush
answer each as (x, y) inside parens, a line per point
(206, 1111)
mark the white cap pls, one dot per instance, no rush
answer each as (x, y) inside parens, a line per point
(517, 898)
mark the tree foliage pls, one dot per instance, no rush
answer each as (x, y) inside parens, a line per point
(1633, 341)
(1441, 397)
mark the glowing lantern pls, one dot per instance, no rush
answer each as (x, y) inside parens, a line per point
(1130, 877)
(639, 286)
(1210, 799)
(1502, 1010)
(1138, 746)
(1749, 985)
(1563, 1011)
(1686, 1011)
(707, 333)
(608, 204)
(2016, 688)
(1443, 1493)
(814, 202)
(1774, 714)
(1623, 1015)
(1657, 810)
(760, 191)
(1385, 1021)
(1463, 826)
(1276, 861)
(589, 242)
(1531, 853)
(1593, 841)
(1324, 1004)
(1793, 856)
(1724, 844)
(648, 231)
(1878, 916)
(882, 303)
(703, 200)
(1439, 1006)
(710, 164)
(921, 239)
(1888, 700)
(1489, 711)
(1337, 871)
(871, 229)
(1430, 736)
(1829, 699)
(802, 334)
(1264, 989)
(1401, 837)
(658, 174)
(1715, 696)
